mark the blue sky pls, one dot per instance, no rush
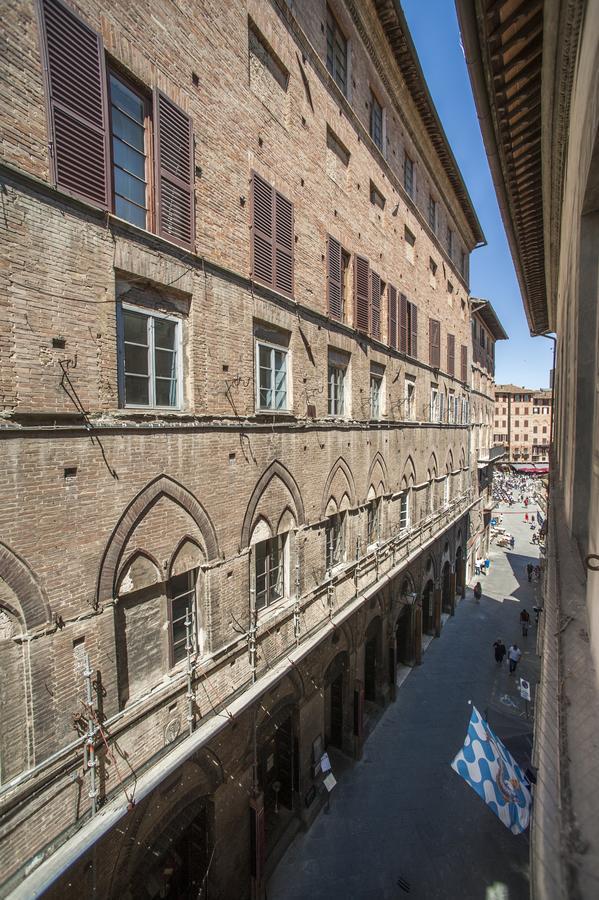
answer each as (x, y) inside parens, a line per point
(434, 26)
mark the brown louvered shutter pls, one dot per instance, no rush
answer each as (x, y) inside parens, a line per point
(76, 90)
(464, 363)
(392, 316)
(413, 331)
(283, 235)
(451, 354)
(375, 305)
(334, 279)
(261, 216)
(173, 154)
(403, 323)
(362, 293)
(434, 348)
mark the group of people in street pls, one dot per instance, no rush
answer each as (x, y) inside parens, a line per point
(533, 572)
(510, 488)
(513, 654)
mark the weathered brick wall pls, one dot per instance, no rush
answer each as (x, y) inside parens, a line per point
(71, 536)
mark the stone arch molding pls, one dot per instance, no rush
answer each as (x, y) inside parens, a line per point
(378, 461)
(274, 470)
(340, 466)
(409, 474)
(34, 606)
(162, 486)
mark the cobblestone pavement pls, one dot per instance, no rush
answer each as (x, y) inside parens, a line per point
(401, 812)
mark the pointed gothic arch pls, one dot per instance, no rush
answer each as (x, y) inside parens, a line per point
(339, 465)
(433, 466)
(378, 460)
(33, 602)
(274, 470)
(409, 472)
(161, 486)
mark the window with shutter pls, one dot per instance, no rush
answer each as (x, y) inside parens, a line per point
(392, 329)
(334, 279)
(376, 289)
(403, 324)
(173, 137)
(362, 293)
(76, 91)
(464, 363)
(413, 330)
(272, 237)
(434, 343)
(451, 354)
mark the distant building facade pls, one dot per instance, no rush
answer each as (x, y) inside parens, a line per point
(235, 436)
(485, 450)
(522, 422)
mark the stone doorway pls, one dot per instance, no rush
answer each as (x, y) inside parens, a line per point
(428, 613)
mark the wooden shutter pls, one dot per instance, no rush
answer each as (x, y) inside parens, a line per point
(451, 354)
(261, 216)
(434, 343)
(464, 363)
(403, 323)
(375, 305)
(173, 155)
(334, 279)
(413, 331)
(283, 234)
(75, 80)
(392, 316)
(362, 293)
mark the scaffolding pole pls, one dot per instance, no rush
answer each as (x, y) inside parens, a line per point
(90, 740)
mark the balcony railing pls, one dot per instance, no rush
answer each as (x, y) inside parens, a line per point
(492, 454)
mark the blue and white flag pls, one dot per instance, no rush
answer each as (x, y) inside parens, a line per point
(487, 766)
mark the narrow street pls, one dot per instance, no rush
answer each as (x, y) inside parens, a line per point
(401, 812)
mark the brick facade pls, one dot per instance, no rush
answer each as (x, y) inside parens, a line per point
(102, 504)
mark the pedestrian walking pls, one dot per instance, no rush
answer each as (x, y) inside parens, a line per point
(478, 591)
(513, 655)
(512, 542)
(529, 570)
(525, 622)
(500, 651)
(537, 572)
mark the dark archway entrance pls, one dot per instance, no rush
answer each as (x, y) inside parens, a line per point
(459, 572)
(428, 614)
(277, 772)
(177, 866)
(403, 637)
(335, 681)
(446, 598)
(372, 660)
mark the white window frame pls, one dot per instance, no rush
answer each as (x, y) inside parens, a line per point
(374, 505)
(274, 348)
(446, 491)
(410, 398)
(335, 540)
(451, 409)
(376, 396)
(283, 549)
(151, 315)
(404, 511)
(336, 402)
(434, 405)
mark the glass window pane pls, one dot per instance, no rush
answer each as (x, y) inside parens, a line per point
(128, 211)
(136, 327)
(137, 390)
(126, 99)
(127, 130)
(128, 159)
(166, 392)
(129, 186)
(165, 363)
(165, 334)
(136, 360)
